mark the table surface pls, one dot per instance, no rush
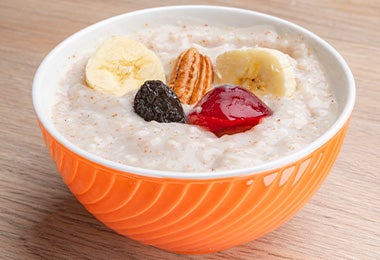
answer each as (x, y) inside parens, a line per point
(40, 218)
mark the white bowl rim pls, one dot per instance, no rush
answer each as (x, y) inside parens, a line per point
(257, 169)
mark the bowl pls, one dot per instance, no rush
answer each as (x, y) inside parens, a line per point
(182, 212)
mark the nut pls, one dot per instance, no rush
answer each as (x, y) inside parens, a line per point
(192, 76)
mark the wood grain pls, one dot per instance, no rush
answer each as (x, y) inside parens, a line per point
(40, 219)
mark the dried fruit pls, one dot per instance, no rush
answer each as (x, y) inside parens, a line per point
(156, 101)
(228, 110)
(192, 76)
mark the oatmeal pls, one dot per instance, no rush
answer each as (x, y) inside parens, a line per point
(107, 125)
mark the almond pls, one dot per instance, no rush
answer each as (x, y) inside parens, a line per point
(192, 76)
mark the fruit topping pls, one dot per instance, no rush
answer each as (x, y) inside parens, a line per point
(120, 65)
(261, 70)
(192, 76)
(156, 101)
(228, 109)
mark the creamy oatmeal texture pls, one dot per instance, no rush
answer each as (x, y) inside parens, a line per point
(108, 127)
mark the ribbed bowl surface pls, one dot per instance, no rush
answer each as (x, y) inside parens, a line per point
(194, 216)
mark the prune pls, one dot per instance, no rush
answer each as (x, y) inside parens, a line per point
(156, 101)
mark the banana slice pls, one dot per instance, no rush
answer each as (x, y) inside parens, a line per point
(120, 65)
(261, 70)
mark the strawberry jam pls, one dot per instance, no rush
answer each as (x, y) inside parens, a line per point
(228, 109)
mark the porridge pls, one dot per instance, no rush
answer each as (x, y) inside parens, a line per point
(107, 125)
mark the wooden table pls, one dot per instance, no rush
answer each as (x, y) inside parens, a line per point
(40, 218)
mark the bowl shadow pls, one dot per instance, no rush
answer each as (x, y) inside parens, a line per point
(69, 231)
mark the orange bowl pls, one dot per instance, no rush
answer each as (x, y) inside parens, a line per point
(185, 212)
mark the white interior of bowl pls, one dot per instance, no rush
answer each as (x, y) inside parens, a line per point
(63, 56)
